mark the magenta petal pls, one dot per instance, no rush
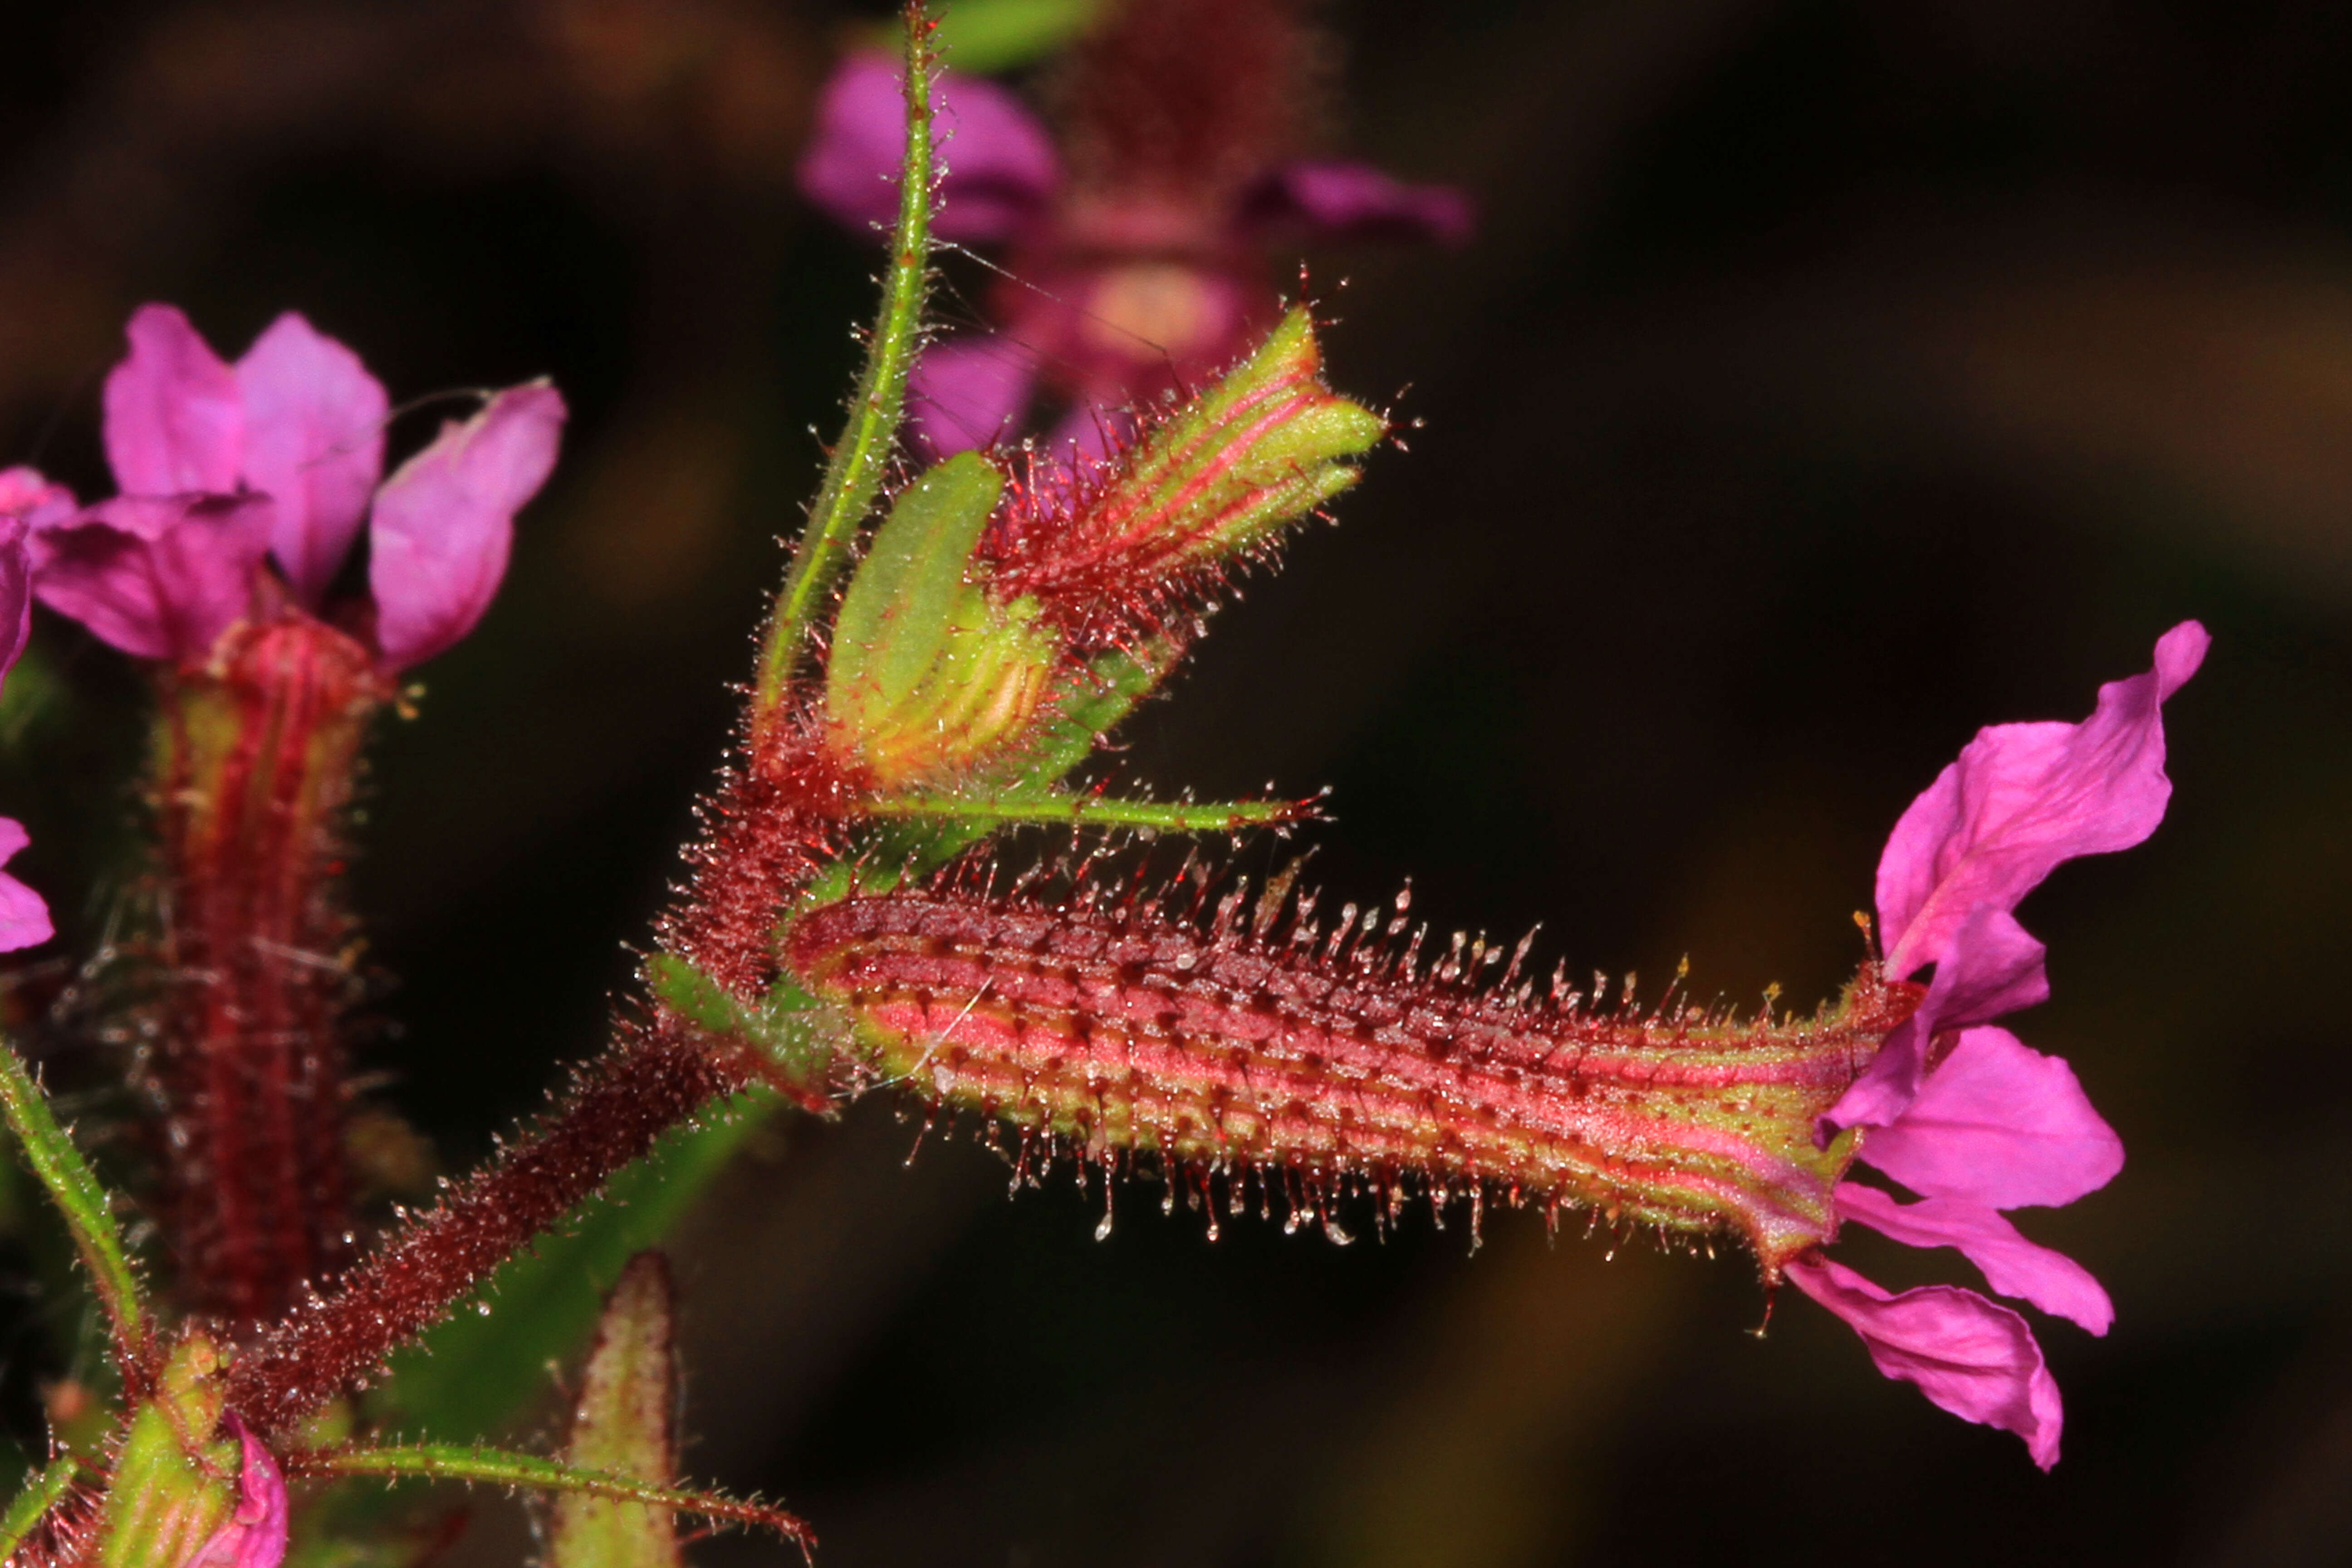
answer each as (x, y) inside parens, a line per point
(15, 586)
(314, 423)
(2023, 797)
(1999, 1124)
(999, 166)
(26, 492)
(1343, 202)
(1994, 966)
(174, 422)
(23, 915)
(444, 522)
(158, 576)
(969, 393)
(2013, 1265)
(255, 1533)
(1968, 1355)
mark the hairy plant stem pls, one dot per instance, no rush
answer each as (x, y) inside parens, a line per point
(648, 1082)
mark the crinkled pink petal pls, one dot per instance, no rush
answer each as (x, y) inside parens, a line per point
(1000, 167)
(970, 391)
(1999, 1124)
(444, 522)
(2012, 1265)
(175, 421)
(1968, 1355)
(1992, 967)
(1343, 201)
(255, 1533)
(158, 576)
(2023, 797)
(314, 423)
(23, 915)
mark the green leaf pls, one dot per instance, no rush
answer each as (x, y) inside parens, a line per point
(902, 604)
(478, 1373)
(74, 1188)
(853, 474)
(984, 35)
(1064, 808)
(622, 1426)
(499, 1467)
(41, 1495)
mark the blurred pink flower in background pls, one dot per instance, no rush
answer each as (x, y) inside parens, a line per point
(1962, 1114)
(1138, 264)
(23, 496)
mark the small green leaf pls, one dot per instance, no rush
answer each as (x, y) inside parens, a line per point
(984, 35)
(1063, 808)
(74, 1188)
(41, 1495)
(778, 1030)
(499, 1467)
(622, 1426)
(902, 603)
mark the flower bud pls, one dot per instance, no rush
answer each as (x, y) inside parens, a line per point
(931, 676)
(180, 1499)
(1263, 449)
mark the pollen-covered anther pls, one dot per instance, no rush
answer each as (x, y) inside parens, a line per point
(1120, 1027)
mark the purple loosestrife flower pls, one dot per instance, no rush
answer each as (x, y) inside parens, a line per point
(1141, 270)
(1960, 1111)
(24, 497)
(280, 455)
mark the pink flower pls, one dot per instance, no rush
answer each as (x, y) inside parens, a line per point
(280, 455)
(25, 499)
(255, 1533)
(1962, 1112)
(1130, 281)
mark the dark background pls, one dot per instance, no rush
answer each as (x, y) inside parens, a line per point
(1827, 380)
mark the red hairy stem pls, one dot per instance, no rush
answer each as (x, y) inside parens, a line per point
(650, 1081)
(254, 755)
(765, 832)
(1340, 1064)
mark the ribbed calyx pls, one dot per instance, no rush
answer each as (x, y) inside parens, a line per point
(1345, 1063)
(253, 760)
(1213, 486)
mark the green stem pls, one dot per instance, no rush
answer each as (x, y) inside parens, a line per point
(1088, 810)
(854, 472)
(41, 1495)
(75, 1189)
(500, 1466)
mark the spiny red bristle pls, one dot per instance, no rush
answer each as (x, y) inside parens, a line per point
(1343, 1059)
